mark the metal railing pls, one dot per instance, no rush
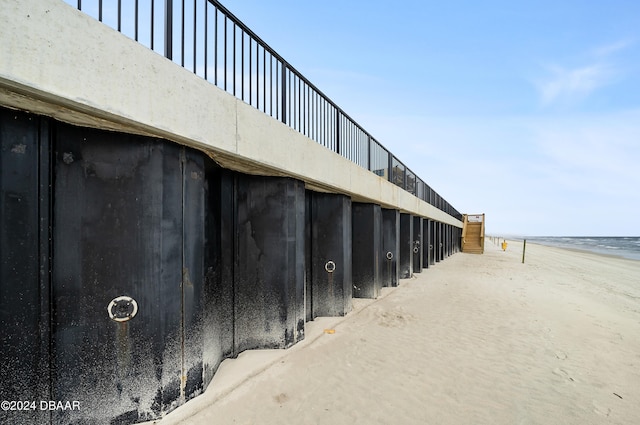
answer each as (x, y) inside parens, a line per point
(207, 39)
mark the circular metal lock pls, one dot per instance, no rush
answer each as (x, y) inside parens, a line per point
(122, 309)
(330, 267)
(389, 255)
(416, 250)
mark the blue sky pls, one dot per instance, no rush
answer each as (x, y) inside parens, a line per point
(526, 111)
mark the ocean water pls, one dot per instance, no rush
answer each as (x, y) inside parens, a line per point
(627, 247)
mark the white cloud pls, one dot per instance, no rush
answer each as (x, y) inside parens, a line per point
(601, 145)
(572, 85)
(569, 85)
(608, 49)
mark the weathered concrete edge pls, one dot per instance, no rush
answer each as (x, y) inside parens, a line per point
(59, 62)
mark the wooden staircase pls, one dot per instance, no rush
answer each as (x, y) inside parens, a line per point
(473, 233)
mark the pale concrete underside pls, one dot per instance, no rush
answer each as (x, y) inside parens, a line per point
(62, 63)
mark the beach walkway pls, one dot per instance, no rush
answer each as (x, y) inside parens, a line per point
(478, 339)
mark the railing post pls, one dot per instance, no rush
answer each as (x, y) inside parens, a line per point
(369, 153)
(404, 177)
(168, 29)
(283, 118)
(337, 130)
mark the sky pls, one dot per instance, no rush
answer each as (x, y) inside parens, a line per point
(526, 111)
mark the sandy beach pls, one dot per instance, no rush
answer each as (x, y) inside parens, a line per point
(476, 339)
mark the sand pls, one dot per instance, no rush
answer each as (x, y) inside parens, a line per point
(476, 339)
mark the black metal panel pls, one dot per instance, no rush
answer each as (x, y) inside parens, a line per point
(447, 240)
(118, 226)
(433, 242)
(331, 255)
(24, 264)
(439, 243)
(426, 238)
(452, 240)
(269, 264)
(330, 288)
(406, 246)
(417, 244)
(443, 241)
(367, 250)
(219, 256)
(308, 292)
(390, 247)
(194, 265)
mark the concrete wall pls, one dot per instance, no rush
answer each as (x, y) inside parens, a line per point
(214, 261)
(62, 63)
(191, 242)
(93, 223)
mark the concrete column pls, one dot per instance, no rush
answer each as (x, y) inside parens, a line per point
(330, 292)
(367, 250)
(406, 246)
(269, 264)
(390, 247)
(417, 244)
